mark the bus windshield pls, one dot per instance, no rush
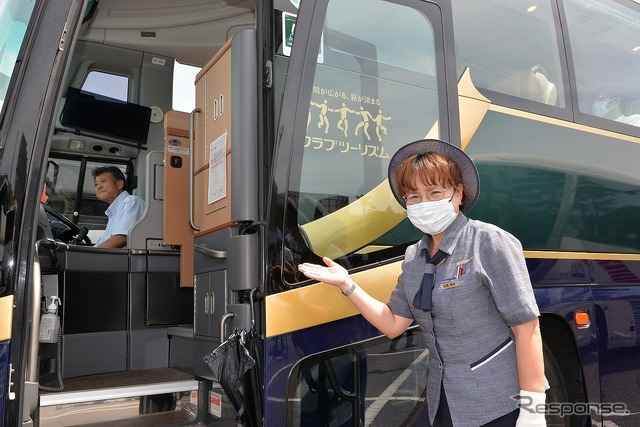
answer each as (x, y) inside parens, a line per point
(14, 16)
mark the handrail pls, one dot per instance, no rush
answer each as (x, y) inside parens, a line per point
(191, 156)
(203, 249)
(253, 309)
(31, 374)
(223, 320)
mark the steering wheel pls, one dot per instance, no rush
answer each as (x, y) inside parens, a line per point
(74, 234)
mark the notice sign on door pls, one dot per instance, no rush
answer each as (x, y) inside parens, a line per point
(289, 30)
(215, 404)
(218, 169)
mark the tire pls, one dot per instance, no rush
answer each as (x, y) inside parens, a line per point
(557, 393)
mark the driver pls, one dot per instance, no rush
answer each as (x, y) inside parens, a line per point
(124, 209)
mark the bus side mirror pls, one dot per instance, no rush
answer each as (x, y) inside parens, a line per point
(52, 176)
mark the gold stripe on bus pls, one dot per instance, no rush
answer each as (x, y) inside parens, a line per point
(594, 256)
(6, 317)
(562, 123)
(321, 303)
(472, 105)
(344, 230)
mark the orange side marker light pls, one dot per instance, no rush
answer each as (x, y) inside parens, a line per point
(582, 319)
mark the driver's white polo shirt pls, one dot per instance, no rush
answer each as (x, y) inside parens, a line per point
(123, 213)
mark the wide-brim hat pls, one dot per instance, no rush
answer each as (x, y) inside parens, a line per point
(470, 178)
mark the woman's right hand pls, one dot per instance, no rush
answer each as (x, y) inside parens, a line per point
(332, 273)
(376, 312)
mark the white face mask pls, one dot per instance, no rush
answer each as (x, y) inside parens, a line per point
(432, 217)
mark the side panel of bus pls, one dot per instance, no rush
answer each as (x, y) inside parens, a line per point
(547, 174)
(562, 176)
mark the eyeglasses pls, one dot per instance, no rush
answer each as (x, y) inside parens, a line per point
(434, 195)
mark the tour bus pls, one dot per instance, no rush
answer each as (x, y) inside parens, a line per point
(281, 158)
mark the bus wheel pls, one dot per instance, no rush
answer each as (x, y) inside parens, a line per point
(557, 393)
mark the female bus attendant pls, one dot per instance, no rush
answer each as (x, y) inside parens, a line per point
(473, 302)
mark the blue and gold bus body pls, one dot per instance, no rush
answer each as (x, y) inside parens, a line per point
(549, 175)
(298, 107)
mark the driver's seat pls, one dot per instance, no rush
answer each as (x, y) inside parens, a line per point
(44, 229)
(147, 232)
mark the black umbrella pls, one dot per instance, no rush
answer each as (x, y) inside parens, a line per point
(237, 365)
(252, 380)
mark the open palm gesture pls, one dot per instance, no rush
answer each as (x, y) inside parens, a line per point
(332, 273)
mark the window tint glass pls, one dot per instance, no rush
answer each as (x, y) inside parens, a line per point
(14, 16)
(605, 44)
(359, 383)
(375, 89)
(556, 187)
(109, 85)
(510, 46)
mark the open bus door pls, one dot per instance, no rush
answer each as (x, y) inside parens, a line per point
(26, 123)
(359, 80)
(211, 200)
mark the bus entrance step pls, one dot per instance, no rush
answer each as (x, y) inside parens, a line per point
(148, 397)
(113, 410)
(64, 398)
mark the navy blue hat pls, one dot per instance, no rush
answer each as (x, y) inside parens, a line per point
(470, 177)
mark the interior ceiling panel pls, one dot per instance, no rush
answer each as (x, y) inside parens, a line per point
(188, 30)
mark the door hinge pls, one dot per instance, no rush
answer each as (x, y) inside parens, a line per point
(63, 38)
(12, 393)
(268, 74)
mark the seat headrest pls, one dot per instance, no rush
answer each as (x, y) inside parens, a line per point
(531, 83)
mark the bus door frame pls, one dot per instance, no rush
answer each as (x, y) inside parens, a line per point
(292, 119)
(27, 124)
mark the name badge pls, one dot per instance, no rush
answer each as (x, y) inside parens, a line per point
(449, 283)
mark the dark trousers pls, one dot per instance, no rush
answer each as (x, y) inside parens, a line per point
(443, 416)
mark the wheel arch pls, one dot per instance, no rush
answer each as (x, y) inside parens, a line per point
(563, 366)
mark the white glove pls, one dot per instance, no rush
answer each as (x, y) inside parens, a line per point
(531, 409)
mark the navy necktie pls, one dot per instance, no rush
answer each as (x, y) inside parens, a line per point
(422, 299)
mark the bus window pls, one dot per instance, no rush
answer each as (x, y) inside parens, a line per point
(184, 95)
(14, 16)
(341, 386)
(510, 47)
(110, 85)
(374, 90)
(605, 45)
